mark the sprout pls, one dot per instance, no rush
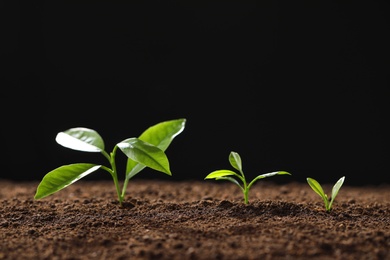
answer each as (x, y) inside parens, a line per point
(235, 161)
(318, 189)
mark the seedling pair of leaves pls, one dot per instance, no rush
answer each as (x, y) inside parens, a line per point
(239, 178)
(148, 150)
(320, 191)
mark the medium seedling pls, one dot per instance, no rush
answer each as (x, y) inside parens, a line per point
(318, 189)
(235, 161)
(148, 150)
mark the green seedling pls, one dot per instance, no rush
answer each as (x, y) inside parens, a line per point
(235, 161)
(318, 189)
(148, 150)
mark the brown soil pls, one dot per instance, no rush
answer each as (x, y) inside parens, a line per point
(193, 220)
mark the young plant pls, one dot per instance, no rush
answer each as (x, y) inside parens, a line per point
(148, 150)
(318, 189)
(235, 161)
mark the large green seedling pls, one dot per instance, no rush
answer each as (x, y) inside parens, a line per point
(235, 161)
(148, 150)
(318, 189)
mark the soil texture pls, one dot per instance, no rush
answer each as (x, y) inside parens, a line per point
(193, 220)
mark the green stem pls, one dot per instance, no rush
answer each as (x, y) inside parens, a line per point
(327, 204)
(246, 195)
(114, 173)
(246, 188)
(125, 183)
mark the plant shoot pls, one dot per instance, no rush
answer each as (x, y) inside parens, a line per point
(318, 189)
(239, 178)
(148, 150)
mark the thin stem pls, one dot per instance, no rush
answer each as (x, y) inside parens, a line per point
(116, 182)
(114, 173)
(125, 183)
(328, 205)
(246, 195)
(246, 189)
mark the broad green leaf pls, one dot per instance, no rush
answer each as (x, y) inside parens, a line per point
(146, 154)
(160, 135)
(62, 177)
(219, 173)
(235, 161)
(81, 139)
(316, 187)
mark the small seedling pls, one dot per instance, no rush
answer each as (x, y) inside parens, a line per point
(235, 161)
(148, 150)
(318, 189)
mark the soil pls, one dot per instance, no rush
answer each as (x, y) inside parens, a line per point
(193, 220)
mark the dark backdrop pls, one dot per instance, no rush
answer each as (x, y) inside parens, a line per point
(295, 86)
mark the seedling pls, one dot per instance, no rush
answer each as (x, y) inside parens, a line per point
(235, 161)
(318, 189)
(148, 150)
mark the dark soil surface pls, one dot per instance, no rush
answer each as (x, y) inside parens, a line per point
(193, 220)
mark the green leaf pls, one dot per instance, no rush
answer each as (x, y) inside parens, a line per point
(335, 190)
(146, 154)
(316, 187)
(337, 187)
(235, 161)
(62, 177)
(219, 173)
(160, 135)
(266, 175)
(81, 139)
(133, 168)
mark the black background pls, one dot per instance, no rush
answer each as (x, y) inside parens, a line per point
(296, 85)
